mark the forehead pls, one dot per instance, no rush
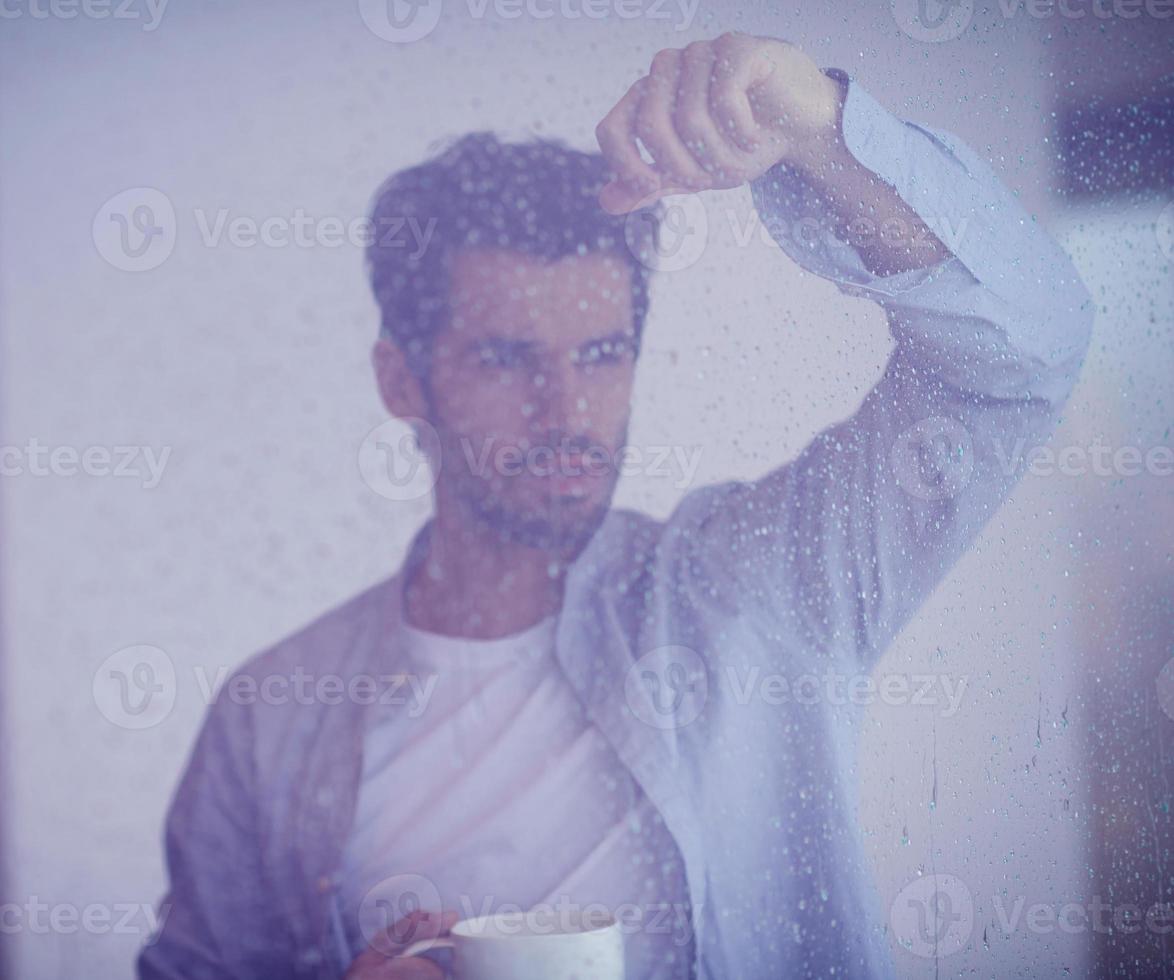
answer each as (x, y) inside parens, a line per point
(504, 293)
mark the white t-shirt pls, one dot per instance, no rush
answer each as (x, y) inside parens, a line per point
(500, 794)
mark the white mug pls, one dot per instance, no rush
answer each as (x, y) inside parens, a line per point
(520, 946)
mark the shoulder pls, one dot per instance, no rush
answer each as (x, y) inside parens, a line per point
(287, 686)
(342, 639)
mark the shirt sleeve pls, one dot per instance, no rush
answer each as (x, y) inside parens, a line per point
(217, 921)
(840, 546)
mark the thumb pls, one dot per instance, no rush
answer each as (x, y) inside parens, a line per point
(620, 197)
(418, 925)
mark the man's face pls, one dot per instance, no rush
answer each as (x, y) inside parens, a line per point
(530, 391)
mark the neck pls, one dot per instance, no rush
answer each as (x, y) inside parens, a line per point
(473, 582)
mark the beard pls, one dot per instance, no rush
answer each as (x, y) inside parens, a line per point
(564, 530)
(508, 507)
(544, 521)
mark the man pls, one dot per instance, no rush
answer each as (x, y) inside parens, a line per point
(582, 743)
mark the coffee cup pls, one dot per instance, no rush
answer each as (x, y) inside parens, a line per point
(527, 946)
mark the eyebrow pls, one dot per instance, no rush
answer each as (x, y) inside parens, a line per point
(514, 346)
(508, 345)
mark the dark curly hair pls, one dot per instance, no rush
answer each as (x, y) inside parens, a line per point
(538, 198)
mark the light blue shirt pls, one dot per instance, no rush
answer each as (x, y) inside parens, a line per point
(816, 567)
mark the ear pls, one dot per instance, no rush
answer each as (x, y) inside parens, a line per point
(399, 388)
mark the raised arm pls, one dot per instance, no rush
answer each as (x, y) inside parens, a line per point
(838, 548)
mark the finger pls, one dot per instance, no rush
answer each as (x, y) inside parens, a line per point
(616, 135)
(673, 162)
(621, 198)
(410, 929)
(414, 968)
(735, 74)
(694, 120)
(375, 966)
(408, 968)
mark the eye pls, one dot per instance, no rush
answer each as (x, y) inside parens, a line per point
(499, 358)
(603, 353)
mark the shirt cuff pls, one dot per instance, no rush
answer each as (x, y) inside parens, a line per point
(917, 163)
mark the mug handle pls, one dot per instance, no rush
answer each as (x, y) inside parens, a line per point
(423, 945)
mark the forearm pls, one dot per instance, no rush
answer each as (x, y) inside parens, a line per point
(866, 211)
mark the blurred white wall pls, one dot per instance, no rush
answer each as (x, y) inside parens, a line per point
(250, 366)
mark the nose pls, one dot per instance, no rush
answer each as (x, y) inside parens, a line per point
(558, 400)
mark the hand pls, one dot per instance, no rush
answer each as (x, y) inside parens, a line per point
(716, 114)
(383, 962)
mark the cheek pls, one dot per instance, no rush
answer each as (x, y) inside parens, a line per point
(503, 407)
(603, 402)
(477, 402)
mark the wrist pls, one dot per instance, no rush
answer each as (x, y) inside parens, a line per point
(821, 148)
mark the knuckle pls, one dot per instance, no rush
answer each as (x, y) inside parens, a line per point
(724, 101)
(691, 125)
(665, 60)
(647, 123)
